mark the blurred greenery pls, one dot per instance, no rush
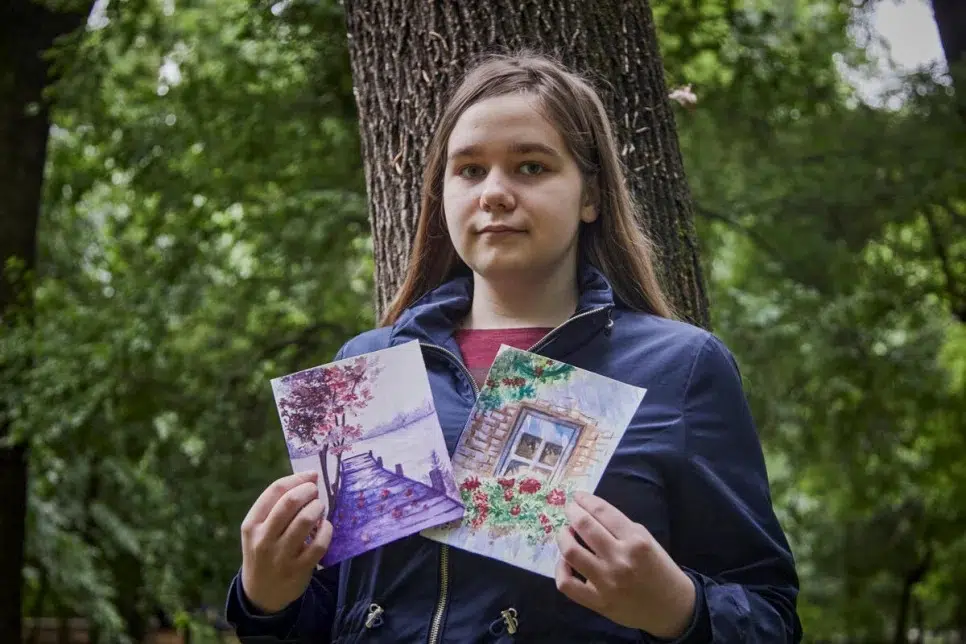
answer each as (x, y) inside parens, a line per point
(204, 229)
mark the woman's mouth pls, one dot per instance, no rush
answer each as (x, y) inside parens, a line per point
(499, 229)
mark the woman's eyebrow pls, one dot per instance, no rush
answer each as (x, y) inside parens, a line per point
(516, 148)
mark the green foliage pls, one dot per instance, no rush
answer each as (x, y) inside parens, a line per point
(204, 230)
(834, 233)
(505, 506)
(516, 375)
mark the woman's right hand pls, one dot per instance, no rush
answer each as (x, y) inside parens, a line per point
(277, 564)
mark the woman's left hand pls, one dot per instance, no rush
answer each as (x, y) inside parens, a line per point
(631, 579)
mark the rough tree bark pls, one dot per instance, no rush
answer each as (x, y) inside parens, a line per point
(406, 53)
(27, 31)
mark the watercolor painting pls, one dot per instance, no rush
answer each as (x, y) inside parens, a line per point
(369, 427)
(540, 430)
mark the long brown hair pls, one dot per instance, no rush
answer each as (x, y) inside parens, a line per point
(614, 242)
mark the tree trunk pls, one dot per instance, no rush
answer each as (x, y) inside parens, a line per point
(906, 600)
(27, 31)
(338, 478)
(324, 462)
(950, 18)
(406, 53)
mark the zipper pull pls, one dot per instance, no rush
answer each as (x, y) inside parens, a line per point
(374, 617)
(510, 619)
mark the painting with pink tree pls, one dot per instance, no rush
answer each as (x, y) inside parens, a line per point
(368, 425)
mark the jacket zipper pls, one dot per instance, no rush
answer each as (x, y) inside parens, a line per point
(437, 622)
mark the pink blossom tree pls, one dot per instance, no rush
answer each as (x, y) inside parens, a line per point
(318, 409)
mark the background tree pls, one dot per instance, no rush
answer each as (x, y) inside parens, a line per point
(400, 90)
(28, 32)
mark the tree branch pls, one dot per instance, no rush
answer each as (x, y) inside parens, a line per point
(957, 300)
(759, 240)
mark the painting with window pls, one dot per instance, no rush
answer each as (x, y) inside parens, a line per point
(539, 446)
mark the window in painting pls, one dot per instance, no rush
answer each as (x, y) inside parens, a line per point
(538, 446)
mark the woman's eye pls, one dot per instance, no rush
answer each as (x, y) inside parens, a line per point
(531, 168)
(471, 172)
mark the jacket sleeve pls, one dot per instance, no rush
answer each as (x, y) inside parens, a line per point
(307, 619)
(724, 532)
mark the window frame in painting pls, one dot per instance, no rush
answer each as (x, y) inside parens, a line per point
(508, 455)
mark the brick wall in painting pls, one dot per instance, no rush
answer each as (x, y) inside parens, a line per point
(489, 432)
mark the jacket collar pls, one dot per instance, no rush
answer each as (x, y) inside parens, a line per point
(434, 317)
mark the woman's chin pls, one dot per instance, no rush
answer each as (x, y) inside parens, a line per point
(504, 268)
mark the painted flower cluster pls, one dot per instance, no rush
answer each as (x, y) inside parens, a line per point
(510, 505)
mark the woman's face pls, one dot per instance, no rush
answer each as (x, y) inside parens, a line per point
(513, 196)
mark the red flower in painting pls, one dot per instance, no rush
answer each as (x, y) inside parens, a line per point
(508, 495)
(506, 482)
(515, 510)
(529, 486)
(557, 497)
(490, 382)
(384, 493)
(470, 484)
(538, 371)
(544, 519)
(396, 513)
(481, 498)
(547, 529)
(409, 491)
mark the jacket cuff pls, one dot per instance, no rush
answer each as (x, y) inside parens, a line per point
(699, 630)
(249, 622)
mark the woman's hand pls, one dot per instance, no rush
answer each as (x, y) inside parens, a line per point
(277, 563)
(631, 579)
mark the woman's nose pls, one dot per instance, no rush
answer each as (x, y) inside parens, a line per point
(496, 195)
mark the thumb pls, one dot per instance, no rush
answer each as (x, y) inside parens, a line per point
(319, 545)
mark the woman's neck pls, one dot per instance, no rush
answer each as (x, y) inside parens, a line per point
(516, 303)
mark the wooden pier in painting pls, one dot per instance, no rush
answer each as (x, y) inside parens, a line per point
(376, 505)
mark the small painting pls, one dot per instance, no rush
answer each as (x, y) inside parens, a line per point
(368, 426)
(540, 431)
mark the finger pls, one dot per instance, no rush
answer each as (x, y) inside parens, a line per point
(288, 506)
(294, 536)
(582, 592)
(314, 552)
(612, 519)
(267, 500)
(578, 557)
(595, 535)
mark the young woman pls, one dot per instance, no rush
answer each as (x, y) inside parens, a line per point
(527, 237)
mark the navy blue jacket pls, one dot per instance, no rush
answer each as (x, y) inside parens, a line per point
(689, 468)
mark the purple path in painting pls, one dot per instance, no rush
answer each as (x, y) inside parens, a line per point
(376, 506)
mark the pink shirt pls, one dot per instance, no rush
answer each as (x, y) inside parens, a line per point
(479, 346)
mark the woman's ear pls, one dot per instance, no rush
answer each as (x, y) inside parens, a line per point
(590, 199)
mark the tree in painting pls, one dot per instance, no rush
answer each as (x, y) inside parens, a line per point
(318, 409)
(514, 376)
(440, 476)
